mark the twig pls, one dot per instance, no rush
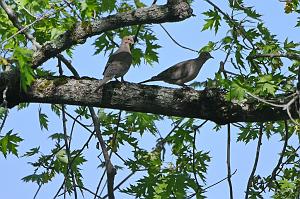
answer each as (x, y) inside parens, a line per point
(14, 19)
(86, 189)
(89, 130)
(286, 106)
(112, 41)
(29, 25)
(259, 142)
(139, 27)
(228, 162)
(208, 187)
(69, 170)
(178, 44)
(100, 181)
(111, 171)
(265, 101)
(72, 130)
(193, 157)
(112, 145)
(4, 105)
(123, 181)
(243, 32)
(115, 133)
(292, 56)
(276, 169)
(220, 181)
(68, 64)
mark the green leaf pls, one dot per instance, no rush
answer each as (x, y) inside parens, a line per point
(9, 143)
(23, 57)
(32, 152)
(266, 84)
(43, 118)
(236, 92)
(57, 136)
(212, 21)
(139, 4)
(209, 47)
(108, 5)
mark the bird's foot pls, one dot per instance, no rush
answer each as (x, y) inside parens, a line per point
(122, 79)
(186, 87)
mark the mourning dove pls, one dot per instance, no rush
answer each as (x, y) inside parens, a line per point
(119, 62)
(182, 72)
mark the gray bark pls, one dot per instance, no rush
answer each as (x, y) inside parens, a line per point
(207, 104)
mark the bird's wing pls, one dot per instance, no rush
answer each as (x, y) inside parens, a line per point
(124, 57)
(175, 72)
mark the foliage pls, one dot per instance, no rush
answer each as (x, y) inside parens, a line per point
(9, 143)
(175, 167)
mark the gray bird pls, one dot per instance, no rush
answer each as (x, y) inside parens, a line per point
(182, 72)
(119, 62)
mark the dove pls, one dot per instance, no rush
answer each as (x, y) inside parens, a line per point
(119, 62)
(182, 72)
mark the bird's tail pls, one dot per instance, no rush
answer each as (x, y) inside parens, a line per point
(102, 82)
(152, 79)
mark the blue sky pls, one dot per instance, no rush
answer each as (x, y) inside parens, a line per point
(188, 33)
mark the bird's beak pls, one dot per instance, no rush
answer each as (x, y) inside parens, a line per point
(211, 57)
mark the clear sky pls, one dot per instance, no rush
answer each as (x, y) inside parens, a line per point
(188, 33)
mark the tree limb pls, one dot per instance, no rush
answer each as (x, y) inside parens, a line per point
(175, 10)
(208, 104)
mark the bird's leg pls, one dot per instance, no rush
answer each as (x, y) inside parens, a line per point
(117, 79)
(122, 79)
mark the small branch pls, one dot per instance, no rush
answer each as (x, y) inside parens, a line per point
(99, 183)
(178, 44)
(69, 170)
(122, 182)
(220, 181)
(29, 25)
(259, 142)
(86, 128)
(279, 163)
(291, 56)
(111, 171)
(228, 162)
(193, 158)
(4, 105)
(170, 12)
(210, 186)
(135, 38)
(233, 23)
(68, 64)
(86, 189)
(14, 19)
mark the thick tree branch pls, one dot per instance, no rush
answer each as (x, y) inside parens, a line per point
(207, 104)
(175, 10)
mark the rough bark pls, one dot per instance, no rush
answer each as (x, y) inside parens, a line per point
(206, 104)
(171, 12)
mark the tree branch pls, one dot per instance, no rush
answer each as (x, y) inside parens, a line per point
(171, 12)
(208, 104)
(259, 142)
(291, 56)
(14, 19)
(228, 162)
